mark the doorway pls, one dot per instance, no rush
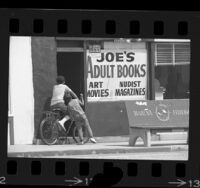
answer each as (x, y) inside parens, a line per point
(71, 66)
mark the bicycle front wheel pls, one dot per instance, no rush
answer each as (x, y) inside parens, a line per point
(49, 131)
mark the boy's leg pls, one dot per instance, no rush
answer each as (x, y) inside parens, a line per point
(87, 127)
(64, 119)
(64, 109)
(80, 132)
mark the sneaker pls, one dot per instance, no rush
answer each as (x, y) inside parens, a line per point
(80, 143)
(93, 140)
(61, 125)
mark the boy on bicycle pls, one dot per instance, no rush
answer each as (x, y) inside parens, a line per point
(77, 114)
(57, 100)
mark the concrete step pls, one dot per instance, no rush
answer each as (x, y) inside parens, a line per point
(89, 148)
(162, 136)
(172, 135)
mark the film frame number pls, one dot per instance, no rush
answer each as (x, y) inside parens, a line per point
(2, 180)
(194, 183)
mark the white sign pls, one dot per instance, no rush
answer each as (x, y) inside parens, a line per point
(117, 74)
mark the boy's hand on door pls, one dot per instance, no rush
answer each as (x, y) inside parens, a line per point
(81, 99)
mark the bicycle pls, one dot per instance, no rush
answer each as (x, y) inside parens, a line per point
(50, 129)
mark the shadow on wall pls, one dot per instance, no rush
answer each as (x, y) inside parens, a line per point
(46, 107)
(47, 104)
(44, 63)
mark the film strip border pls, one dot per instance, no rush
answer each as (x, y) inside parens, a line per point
(60, 172)
(110, 27)
(132, 168)
(99, 24)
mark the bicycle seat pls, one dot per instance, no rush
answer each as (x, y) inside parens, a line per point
(57, 110)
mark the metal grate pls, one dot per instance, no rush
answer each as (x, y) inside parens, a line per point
(182, 53)
(172, 53)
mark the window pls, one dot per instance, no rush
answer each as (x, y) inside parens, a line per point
(172, 70)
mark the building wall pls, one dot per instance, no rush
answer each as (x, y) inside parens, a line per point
(108, 118)
(21, 89)
(44, 75)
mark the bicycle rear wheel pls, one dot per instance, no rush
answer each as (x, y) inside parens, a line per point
(49, 131)
(76, 137)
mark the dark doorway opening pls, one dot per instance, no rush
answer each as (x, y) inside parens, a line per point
(71, 66)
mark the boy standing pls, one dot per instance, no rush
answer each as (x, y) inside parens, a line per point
(78, 115)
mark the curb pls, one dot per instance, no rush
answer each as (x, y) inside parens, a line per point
(99, 151)
(179, 148)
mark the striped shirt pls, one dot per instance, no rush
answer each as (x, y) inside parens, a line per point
(75, 109)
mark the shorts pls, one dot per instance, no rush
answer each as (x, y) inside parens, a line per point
(80, 119)
(62, 107)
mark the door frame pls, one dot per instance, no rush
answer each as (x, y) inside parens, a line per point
(85, 74)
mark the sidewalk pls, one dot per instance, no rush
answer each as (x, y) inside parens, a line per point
(90, 148)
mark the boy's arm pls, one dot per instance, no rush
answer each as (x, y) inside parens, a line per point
(81, 101)
(73, 94)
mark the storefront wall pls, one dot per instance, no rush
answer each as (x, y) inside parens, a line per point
(108, 119)
(44, 75)
(106, 95)
(110, 116)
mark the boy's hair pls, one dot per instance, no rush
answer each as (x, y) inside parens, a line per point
(60, 79)
(67, 97)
